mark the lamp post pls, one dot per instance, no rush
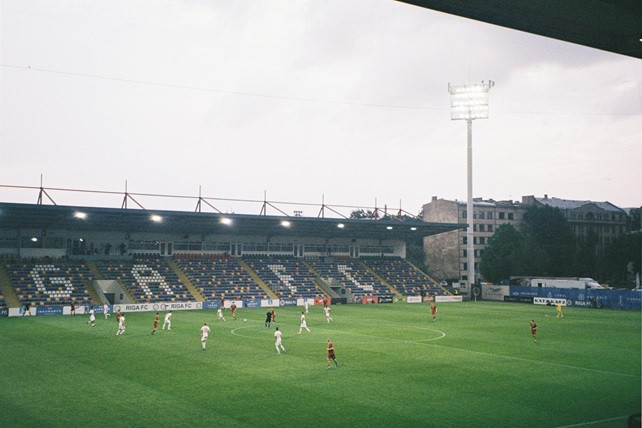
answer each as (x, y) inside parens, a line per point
(470, 102)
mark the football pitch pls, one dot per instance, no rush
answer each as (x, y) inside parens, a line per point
(476, 365)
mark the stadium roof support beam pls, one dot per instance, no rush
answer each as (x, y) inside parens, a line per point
(266, 204)
(128, 196)
(44, 192)
(201, 199)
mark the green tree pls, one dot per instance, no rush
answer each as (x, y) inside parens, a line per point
(359, 214)
(499, 257)
(550, 232)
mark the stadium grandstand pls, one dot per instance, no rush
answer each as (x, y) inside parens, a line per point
(53, 255)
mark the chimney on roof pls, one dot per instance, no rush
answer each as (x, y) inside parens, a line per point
(545, 196)
(434, 198)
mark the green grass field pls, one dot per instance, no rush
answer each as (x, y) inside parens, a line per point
(477, 365)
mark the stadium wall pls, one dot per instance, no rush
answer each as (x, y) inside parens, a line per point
(614, 299)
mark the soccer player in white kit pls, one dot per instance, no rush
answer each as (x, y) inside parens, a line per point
(168, 321)
(327, 313)
(303, 325)
(205, 331)
(106, 310)
(121, 325)
(220, 314)
(278, 343)
(92, 317)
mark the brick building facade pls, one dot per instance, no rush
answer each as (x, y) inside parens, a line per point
(446, 253)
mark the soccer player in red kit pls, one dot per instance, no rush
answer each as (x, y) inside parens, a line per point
(233, 308)
(331, 355)
(433, 311)
(155, 323)
(534, 329)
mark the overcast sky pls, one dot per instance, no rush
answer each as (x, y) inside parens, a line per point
(303, 98)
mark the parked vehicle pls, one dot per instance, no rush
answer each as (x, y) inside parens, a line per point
(582, 283)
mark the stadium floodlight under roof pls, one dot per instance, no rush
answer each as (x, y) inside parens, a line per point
(469, 102)
(156, 218)
(80, 215)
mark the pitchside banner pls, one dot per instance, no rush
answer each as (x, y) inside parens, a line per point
(413, 299)
(49, 310)
(369, 300)
(211, 305)
(617, 299)
(252, 303)
(494, 292)
(160, 306)
(448, 299)
(548, 301)
(238, 303)
(322, 301)
(385, 299)
(518, 299)
(301, 301)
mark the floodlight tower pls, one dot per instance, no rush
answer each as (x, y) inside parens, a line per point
(470, 102)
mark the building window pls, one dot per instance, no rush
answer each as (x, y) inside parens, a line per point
(465, 266)
(465, 253)
(474, 240)
(465, 240)
(482, 240)
(481, 228)
(475, 227)
(489, 215)
(501, 215)
(490, 227)
(510, 216)
(463, 214)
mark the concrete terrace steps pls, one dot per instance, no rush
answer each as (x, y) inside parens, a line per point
(271, 294)
(380, 278)
(6, 286)
(185, 280)
(429, 277)
(320, 282)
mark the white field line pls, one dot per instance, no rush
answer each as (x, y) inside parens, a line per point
(527, 360)
(423, 342)
(442, 335)
(593, 422)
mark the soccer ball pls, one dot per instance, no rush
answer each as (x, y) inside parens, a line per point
(245, 319)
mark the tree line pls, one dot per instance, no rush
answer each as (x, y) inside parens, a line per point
(546, 246)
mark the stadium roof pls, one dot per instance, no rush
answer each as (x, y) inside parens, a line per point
(50, 217)
(567, 204)
(610, 25)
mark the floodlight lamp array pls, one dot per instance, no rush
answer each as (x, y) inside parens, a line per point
(468, 102)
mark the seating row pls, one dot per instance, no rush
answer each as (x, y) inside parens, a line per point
(403, 276)
(351, 274)
(148, 279)
(220, 277)
(50, 283)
